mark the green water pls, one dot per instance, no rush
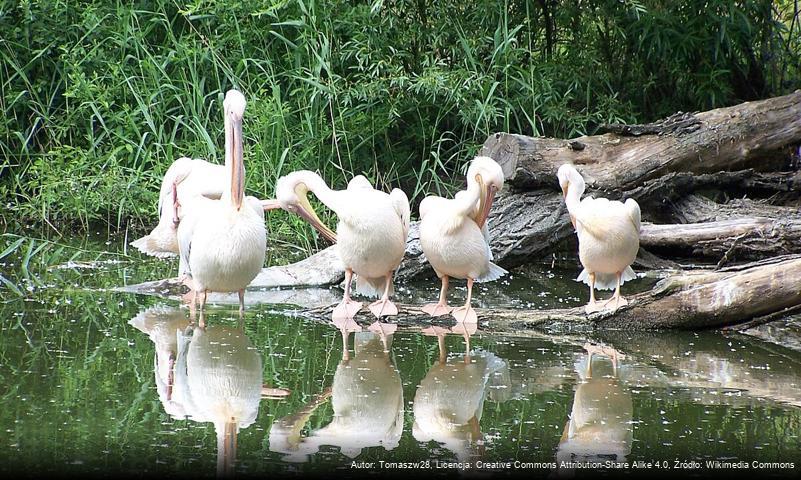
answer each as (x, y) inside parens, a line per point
(90, 387)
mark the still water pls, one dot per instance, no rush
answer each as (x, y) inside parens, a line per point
(99, 382)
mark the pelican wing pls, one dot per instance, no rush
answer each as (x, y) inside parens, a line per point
(401, 204)
(593, 216)
(600, 216)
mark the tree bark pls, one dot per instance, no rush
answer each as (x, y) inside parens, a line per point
(736, 230)
(749, 135)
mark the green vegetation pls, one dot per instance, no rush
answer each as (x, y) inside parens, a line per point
(100, 97)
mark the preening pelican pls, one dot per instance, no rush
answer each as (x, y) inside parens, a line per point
(223, 242)
(455, 237)
(188, 181)
(370, 237)
(608, 234)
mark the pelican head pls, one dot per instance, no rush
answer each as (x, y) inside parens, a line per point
(572, 184)
(488, 175)
(291, 192)
(234, 106)
(568, 175)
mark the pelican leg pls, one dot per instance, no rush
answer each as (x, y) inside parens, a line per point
(384, 307)
(593, 306)
(466, 314)
(347, 309)
(616, 298)
(241, 302)
(440, 308)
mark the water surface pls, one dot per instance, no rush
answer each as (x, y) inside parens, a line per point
(99, 382)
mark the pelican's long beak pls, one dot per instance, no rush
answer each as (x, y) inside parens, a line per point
(270, 204)
(237, 165)
(564, 189)
(485, 201)
(306, 211)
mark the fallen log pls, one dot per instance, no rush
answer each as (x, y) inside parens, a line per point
(752, 237)
(749, 135)
(736, 230)
(698, 299)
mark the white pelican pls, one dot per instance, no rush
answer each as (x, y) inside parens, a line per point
(223, 242)
(608, 235)
(367, 399)
(186, 182)
(196, 178)
(370, 237)
(455, 238)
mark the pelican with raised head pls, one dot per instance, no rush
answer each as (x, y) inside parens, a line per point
(608, 236)
(222, 243)
(455, 236)
(370, 237)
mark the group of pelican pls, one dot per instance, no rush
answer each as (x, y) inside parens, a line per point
(219, 234)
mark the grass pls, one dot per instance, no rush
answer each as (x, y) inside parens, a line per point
(100, 97)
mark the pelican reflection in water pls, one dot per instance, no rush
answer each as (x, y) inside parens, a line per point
(216, 377)
(450, 399)
(161, 323)
(600, 426)
(367, 399)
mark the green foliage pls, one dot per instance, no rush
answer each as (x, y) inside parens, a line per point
(100, 97)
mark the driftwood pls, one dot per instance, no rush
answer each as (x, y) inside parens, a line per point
(695, 299)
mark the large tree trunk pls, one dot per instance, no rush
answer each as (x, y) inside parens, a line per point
(748, 135)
